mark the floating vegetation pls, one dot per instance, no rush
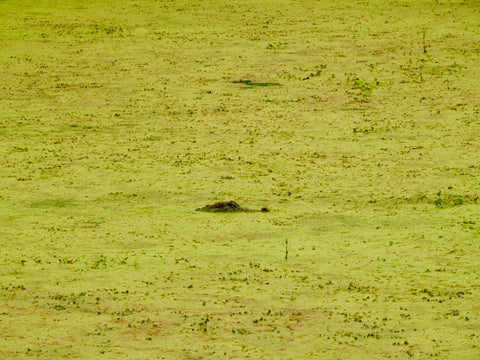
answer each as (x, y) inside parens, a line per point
(449, 200)
(228, 207)
(365, 86)
(253, 83)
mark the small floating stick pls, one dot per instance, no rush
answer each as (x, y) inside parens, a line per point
(286, 249)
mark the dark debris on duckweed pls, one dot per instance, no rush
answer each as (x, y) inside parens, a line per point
(228, 207)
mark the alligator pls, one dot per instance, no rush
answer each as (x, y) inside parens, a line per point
(228, 207)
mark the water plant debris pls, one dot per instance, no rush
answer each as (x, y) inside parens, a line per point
(228, 207)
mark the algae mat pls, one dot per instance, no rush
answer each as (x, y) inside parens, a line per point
(356, 123)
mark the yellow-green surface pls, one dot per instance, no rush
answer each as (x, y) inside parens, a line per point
(356, 122)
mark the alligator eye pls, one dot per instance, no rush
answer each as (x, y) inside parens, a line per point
(264, 209)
